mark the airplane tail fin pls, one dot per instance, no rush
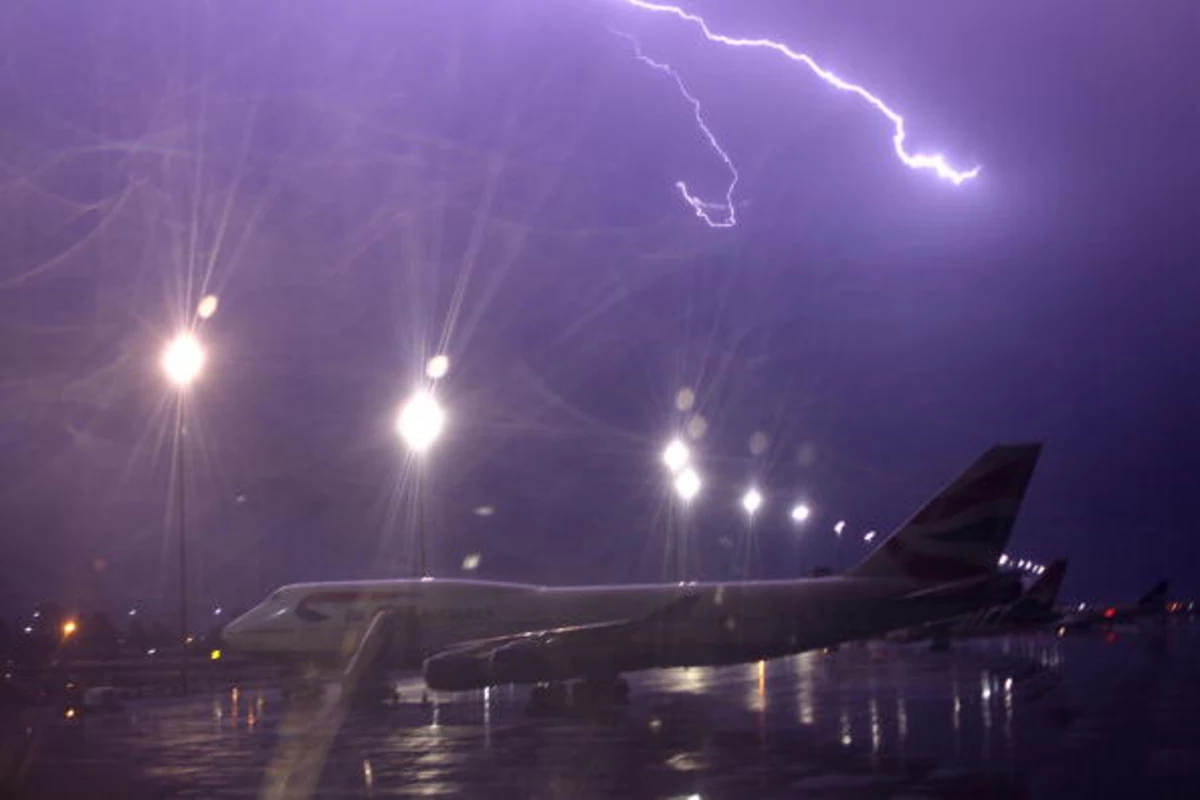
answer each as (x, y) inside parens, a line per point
(1157, 595)
(962, 532)
(1044, 591)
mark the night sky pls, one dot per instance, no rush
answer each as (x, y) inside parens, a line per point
(364, 185)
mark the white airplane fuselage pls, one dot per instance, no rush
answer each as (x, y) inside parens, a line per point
(724, 623)
(465, 634)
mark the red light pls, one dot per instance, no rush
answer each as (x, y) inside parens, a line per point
(1109, 613)
(1110, 637)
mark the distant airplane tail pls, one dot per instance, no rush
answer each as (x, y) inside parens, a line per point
(962, 532)
(1157, 596)
(1036, 604)
(1044, 591)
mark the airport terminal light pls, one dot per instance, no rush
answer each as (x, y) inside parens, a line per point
(800, 512)
(752, 501)
(676, 456)
(183, 360)
(687, 484)
(420, 422)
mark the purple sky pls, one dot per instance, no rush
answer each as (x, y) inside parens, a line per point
(360, 182)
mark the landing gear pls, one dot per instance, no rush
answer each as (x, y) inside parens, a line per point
(588, 695)
(549, 698)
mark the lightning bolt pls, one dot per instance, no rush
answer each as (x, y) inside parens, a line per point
(704, 209)
(935, 162)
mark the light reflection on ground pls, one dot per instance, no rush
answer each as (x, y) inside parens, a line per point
(1011, 717)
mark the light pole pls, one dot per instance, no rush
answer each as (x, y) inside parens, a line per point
(799, 514)
(752, 500)
(419, 424)
(687, 486)
(182, 361)
(837, 554)
(676, 457)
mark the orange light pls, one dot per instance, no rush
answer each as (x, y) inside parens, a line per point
(69, 627)
(70, 713)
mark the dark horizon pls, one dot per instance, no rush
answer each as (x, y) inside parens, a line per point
(365, 186)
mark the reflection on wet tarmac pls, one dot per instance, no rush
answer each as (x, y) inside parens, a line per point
(979, 719)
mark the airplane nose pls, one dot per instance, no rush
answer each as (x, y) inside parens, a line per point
(233, 634)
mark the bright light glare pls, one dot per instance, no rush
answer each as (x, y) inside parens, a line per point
(470, 563)
(183, 359)
(28, 629)
(421, 421)
(133, 612)
(687, 484)
(438, 366)
(752, 500)
(839, 527)
(207, 307)
(800, 512)
(69, 627)
(1003, 559)
(676, 455)
(869, 537)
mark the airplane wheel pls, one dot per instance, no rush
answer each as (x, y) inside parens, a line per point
(548, 697)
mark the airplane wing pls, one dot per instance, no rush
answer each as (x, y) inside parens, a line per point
(545, 655)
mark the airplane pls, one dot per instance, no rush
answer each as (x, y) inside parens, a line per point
(1152, 604)
(1033, 610)
(471, 634)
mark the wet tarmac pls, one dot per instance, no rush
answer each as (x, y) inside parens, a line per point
(1034, 716)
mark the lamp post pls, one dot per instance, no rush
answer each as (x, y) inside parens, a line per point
(687, 486)
(182, 361)
(752, 501)
(837, 555)
(799, 514)
(419, 424)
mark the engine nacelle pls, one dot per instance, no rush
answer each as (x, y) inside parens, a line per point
(523, 661)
